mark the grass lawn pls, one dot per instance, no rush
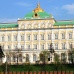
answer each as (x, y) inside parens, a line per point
(50, 67)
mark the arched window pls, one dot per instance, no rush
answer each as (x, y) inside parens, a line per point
(20, 57)
(27, 58)
(8, 58)
(34, 57)
(14, 58)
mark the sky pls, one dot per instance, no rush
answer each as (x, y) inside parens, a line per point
(11, 10)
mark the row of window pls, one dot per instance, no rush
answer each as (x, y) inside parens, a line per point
(14, 58)
(36, 37)
(35, 25)
(35, 46)
(27, 57)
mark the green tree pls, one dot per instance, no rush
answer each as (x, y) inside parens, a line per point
(63, 57)
(56, 58)
(71, 56)
(1, 54)
(52, 51)
(44, 56)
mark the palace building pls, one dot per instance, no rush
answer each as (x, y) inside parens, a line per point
(34, 33)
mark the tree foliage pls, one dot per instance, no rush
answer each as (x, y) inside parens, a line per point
(71, 55)
(56, 58)
(63, 57)
(44, 56)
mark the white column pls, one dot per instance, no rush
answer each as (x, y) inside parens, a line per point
(31, 57)
(39, 39)
(18, 38)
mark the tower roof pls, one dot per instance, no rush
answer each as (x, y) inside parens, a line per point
(37, 13)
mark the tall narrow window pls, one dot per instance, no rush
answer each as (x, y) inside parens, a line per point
(22, 37)
(48, 46)
(28, 37)
(34, 57)
(20, 57)
(49, 36)
(2, 38)
(8, 58)
(27, 58)
(70, 46)
(63, 46)
(14, 58)
(35, 36)
(42, 47)
(9, 47)
(35, 46)
(70, 35)
(56, 46)
(9, 38)
(42, 36)
(28, 46)
(56, 36)
(15, 37)
(63, 36)
(22, 47)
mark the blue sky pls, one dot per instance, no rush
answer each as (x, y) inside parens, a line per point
(11, 10)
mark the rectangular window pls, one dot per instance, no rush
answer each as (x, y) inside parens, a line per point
(35, 46)
(22, 37)
(70, 46)
(49, 36)
(20, 58)
(63, 46)
(28, 37)
(70, 35)
(63, 36)
(48, 46)
(9, 38)
(15, 37)
(9, 47)
(22, 47)
(2, 38)
(28, 46)
(56, 46)
(42, 36)
(42, 47)
(56, 36)
(15, 46)
(14, 58)
(35, 36)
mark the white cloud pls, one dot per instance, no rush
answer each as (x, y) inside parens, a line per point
(69, 8)
(24, 4)
(6, 20)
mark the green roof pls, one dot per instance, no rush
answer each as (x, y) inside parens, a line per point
(62, 23)
(41, 15)
(8, 25)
